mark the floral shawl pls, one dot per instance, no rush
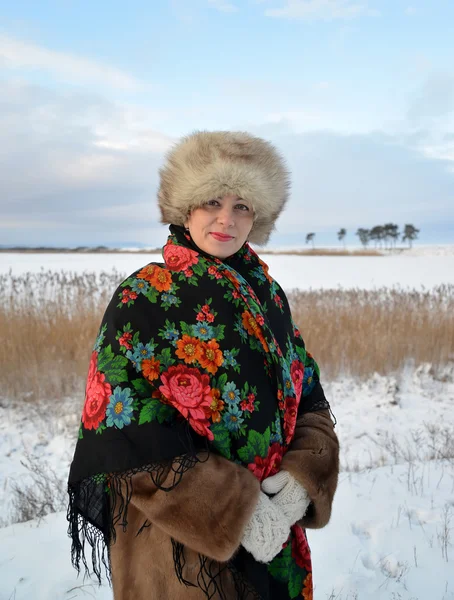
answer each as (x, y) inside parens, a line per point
(196, 354)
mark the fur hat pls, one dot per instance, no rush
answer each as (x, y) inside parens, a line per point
(211, 164)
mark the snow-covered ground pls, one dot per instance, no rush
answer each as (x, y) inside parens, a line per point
(391, 536)
(303, 272)
(392, 529)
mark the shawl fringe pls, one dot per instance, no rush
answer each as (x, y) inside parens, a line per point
(209, 578)
(93, 520)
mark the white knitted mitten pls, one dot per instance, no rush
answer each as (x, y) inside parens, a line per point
(267, 530)
(291, 497)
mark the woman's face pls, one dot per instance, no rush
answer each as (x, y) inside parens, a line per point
(221, 226)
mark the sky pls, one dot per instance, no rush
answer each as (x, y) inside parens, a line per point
(358, 96)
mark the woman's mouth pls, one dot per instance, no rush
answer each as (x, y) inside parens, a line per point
(221, 237)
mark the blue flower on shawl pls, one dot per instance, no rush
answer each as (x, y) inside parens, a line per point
(240, 329)
(136, 360)
(203, 330)
(171, 334)
(229, 360)
(142, 351)
(308, 380)
(259, 274)
(140, 286)
(169, 299)
(231, 393)
(288, 383)
(274, 288)
(277, 436)
(232, 419)
(119, 409)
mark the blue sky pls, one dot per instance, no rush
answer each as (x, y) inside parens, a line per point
(357, 94)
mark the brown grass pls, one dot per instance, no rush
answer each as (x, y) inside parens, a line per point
(49, 321)
(48, 324)
(360, 332)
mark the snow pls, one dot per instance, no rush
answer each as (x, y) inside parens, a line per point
(385, 534)
(391, 535)
(384, 541)
(302, 272)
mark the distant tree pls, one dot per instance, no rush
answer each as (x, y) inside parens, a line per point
(310, 238)
(363, 235)
(390, 234)
(394, 233)
(377, 234)
(341, 235)
(410, 234)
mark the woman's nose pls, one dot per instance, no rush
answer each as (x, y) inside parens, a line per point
(226, 217)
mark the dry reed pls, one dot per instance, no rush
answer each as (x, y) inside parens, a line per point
(49, 320)
(48, 324)
(360, 332)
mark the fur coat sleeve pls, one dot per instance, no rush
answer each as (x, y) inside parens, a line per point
(313, 459)
(207, 511)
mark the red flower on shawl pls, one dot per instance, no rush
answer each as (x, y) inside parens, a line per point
(97, 394)
(300, 549)
(179, 258)
(265, 467)
(290, 416)
(297, 375)
(212, 270)
(125, 340)
(189, 392)
(128, 295)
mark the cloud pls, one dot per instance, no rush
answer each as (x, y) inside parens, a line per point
(17, 55)
(223, 6)
(358, 181)
(321, 10)
(435, 99)
(76, 166)
(80, 170)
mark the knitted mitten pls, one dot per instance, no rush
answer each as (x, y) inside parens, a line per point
(267, 530)
(291, 497)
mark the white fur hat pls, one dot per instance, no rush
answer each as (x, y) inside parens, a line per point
(211, 164)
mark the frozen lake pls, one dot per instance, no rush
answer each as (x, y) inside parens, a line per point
(303, 272)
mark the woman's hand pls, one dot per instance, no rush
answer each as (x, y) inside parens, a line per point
(267, 530)
(288, 495)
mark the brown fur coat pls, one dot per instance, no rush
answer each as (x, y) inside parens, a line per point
(208, 511)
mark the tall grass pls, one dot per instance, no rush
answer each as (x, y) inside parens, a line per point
(49, 321)
(48, 324)
(360, 332)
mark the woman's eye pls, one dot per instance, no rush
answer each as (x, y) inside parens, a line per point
(242, 207)
(212, 202)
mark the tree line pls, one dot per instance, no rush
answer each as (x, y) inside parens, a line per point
(385, 236)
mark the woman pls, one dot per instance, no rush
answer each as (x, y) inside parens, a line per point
(206, 445)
